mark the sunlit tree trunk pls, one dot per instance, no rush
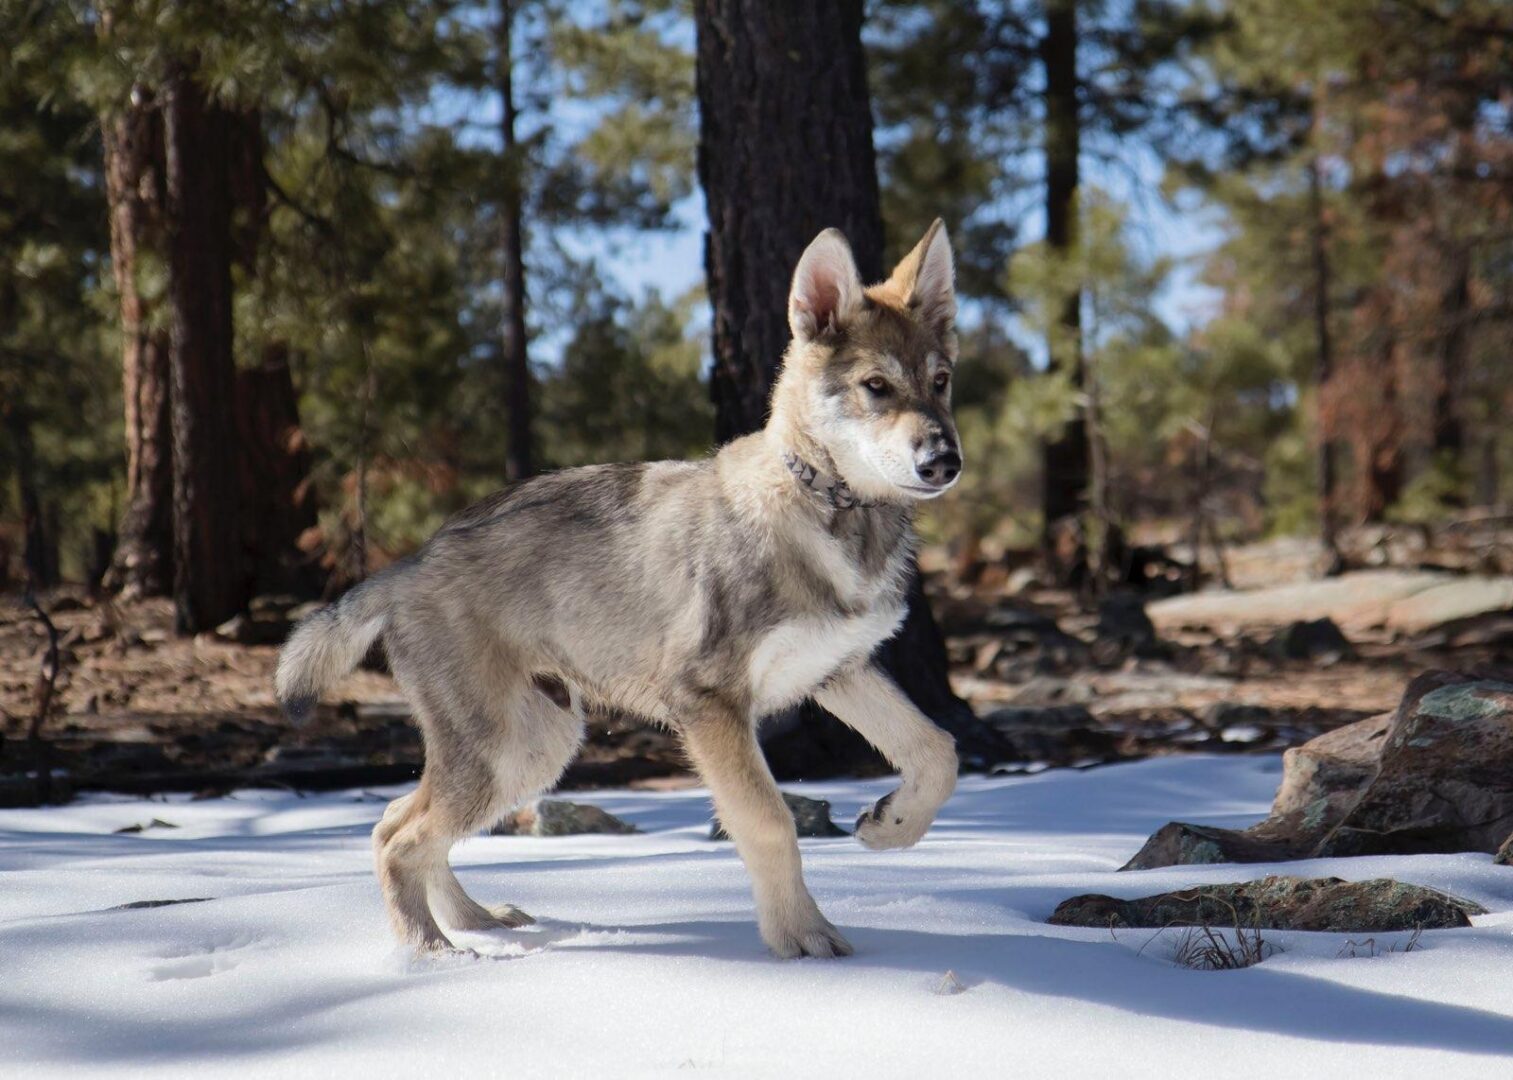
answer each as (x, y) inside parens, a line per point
(132, 141)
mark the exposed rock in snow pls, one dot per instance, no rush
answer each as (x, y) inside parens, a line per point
(811, 817)
(1437, 775)
(1378, 906)
(558, 817)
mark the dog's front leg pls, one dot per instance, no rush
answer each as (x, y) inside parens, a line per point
(725, 751)
(868, 701)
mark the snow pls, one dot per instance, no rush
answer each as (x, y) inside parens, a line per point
(648, 961)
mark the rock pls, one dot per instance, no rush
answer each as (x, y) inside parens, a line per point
(1124, 628)
(1015, 718)
(558, 817)
(811, 817)
(1504, 856)
(155, 823)
(1227, 714)
(1434, 776)
(302, 611)
(1322, 778)
(1319, 640)
(1179, 843)
(1331, 905)
(1049, 690)
(1444, 781)
(266, 628)
(1405, 601)
(1053, 735)
(142, 905)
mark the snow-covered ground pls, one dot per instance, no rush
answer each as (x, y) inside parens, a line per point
(648, 960)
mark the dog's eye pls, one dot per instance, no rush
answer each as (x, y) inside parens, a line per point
(942, 380)
(877, 386)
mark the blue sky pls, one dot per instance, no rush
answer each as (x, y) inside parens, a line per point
(672, 262)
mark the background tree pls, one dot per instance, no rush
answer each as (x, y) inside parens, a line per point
(785, 150)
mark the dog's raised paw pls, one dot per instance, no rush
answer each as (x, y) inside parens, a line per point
(887, 826)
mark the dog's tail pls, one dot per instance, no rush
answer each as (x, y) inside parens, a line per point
(329, 643)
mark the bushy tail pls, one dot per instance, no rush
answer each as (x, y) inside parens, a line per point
(329, 643)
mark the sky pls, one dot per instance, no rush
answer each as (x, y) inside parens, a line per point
(672, 261)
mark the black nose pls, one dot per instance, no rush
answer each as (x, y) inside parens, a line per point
(940, 469)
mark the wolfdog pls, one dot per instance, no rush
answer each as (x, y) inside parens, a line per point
(703, 596)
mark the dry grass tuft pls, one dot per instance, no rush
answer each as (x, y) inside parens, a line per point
(1353, 949)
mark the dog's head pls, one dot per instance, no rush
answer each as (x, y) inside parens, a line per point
(868, 377)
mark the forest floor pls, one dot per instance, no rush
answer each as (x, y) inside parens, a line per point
(140, 710)
(646, 958)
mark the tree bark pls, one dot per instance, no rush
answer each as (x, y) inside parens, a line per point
(1380, 461)
(1449, 432)
(40, 553)
(1323, 366)
(278, 501)
(514, 351)
(209, 582)
(1065, 459)
(785, 151)
(135, 190)
(273, 458)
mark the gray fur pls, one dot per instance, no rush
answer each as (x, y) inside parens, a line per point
(700, 595)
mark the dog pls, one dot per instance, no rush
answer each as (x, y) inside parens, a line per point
(703, 596)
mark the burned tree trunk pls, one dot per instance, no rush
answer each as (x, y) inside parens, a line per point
(135, 189)
(1065, 460)
(209, 583)
(785, 151)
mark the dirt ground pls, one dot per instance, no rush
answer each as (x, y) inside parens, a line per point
(138, 709)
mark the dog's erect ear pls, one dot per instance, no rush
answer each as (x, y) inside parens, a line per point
(927, 276)
(827, 290)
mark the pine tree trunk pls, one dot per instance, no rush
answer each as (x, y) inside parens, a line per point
(278, 501)
(1323, 367)
(134, 183)
(513, 345)
(1381, 455)
(785, 151)
(273, 458)
(1449, 432)
(40, 554)
(209, 583)
(1066, 458)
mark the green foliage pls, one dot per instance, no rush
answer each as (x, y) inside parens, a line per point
(59, 396)
(628, 388)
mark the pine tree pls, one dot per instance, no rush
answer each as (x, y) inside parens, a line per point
(785, 150)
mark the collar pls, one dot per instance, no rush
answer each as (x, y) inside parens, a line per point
(835, 491)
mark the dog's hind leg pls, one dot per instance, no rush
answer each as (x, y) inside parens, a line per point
(405, 852)
(537, 734)
(725, 751)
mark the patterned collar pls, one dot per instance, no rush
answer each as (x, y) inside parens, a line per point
(833, 490)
